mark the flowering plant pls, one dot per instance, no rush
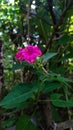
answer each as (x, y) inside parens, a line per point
(34, 80)
(33, 95)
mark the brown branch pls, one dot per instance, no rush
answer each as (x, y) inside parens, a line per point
(49, 43)
(65, 125)
(50, 5)
(28, 21)
(45, 110)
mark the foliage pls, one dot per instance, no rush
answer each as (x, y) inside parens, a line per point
(49, 25)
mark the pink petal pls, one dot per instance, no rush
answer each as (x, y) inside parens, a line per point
(30, 53)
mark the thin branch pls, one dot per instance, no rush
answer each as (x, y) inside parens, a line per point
(65, 125)
(28, 22)
(50, 5)
(46, 72)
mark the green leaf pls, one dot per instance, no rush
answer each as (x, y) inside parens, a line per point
(56, 101)
(20, 65)
(8, 123)
(48, 56)
(49, 87)
(22, 105)
(24, 123)
(55, 114)
(19, 94)
(59, 78)
(62, 79)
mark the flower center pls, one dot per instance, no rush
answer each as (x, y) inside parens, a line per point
(29, 51)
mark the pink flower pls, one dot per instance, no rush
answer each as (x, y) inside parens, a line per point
(29, 53)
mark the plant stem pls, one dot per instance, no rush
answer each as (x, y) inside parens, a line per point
(66, 96)
(28, 22)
